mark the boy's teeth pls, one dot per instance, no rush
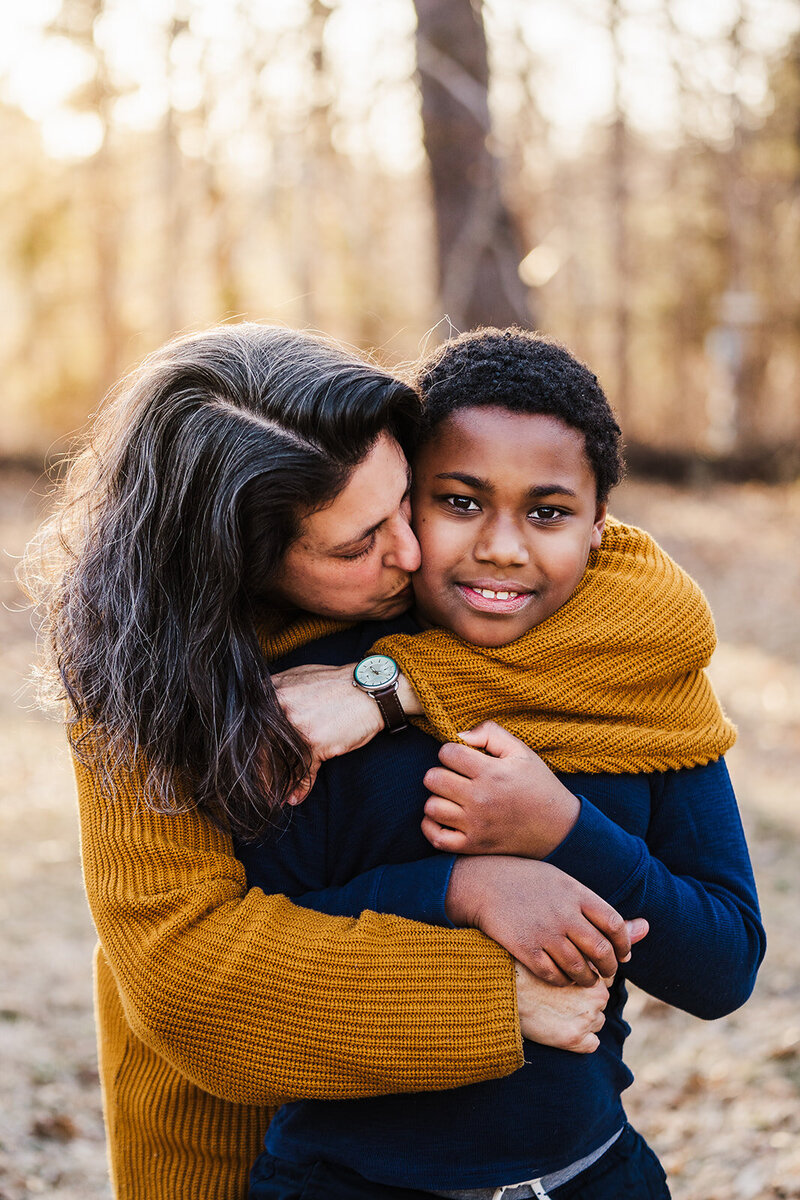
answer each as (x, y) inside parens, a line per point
(488, 594)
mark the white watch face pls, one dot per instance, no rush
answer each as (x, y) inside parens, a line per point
(375, 671)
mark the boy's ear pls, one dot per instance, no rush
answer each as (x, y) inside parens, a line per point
(601, 512)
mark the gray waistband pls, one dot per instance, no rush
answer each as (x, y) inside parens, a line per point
(526, 1190)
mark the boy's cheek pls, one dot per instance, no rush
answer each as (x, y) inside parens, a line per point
(428, 597)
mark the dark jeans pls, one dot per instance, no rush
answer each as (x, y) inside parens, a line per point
(628, 1171)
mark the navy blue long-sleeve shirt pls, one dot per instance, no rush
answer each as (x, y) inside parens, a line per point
(668, 847)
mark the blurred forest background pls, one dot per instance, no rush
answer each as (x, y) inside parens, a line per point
(623, 174)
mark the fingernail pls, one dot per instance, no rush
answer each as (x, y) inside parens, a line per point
(627, 958)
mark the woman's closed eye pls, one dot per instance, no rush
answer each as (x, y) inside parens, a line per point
(363, 551)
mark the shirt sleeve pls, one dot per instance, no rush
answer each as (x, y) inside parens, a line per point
(691, 879)
(414, 890)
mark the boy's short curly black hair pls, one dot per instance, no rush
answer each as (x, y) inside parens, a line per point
(522, 372)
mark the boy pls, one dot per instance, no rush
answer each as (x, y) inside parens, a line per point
(511, 479)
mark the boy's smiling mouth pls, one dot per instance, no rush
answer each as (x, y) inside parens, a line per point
(498, 598)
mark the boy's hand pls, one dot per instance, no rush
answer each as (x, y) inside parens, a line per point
(503, 801)
(560, 930)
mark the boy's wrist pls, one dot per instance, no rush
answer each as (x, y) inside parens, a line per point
(463, 889)
(545, 836)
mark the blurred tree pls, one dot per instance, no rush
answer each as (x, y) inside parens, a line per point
(619, 189)
(284, 176)
(79, 20)
(478, 246)
(173, 218)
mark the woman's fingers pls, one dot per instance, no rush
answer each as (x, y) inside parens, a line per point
(568, 1017)
(304, 787)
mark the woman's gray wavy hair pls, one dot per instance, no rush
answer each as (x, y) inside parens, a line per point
(167, 532)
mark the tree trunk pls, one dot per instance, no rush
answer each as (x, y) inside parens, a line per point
(477, 244)
(619, 197)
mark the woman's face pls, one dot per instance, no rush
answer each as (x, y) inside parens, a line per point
(353, 559)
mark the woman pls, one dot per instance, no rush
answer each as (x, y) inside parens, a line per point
(230, 461)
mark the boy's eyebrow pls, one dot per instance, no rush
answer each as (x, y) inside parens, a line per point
(550, 489)
(470, 480)
(483, 485)
(360, 537)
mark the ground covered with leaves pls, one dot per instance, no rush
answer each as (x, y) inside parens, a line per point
(720, 1102)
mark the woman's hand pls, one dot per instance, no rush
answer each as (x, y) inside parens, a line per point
(333, 716)
(566, 1017)
(496, 796)
(560, 930)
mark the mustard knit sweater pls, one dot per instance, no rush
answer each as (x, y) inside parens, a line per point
(215, 1004)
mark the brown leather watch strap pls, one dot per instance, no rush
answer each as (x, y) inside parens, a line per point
(392, 711)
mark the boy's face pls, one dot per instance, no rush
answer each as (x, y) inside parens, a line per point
(505, 510)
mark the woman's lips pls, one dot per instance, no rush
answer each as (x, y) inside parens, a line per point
(499, 600)
(405, 595)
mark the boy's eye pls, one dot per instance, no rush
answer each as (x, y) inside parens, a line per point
(461, 503)
(545, 512)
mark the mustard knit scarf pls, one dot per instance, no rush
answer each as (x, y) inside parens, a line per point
(614, 681)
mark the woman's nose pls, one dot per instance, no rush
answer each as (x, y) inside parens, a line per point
(404, 549)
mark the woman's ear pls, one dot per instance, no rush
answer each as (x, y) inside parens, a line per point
(601, 512)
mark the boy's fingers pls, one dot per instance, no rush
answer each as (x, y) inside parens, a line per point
(442, 782)
(608, 923)
(638, 928)
(543, 966)
(572, 962)
(492, 738)
(461, 759)
(444, 812)
(450, 841)
(594, 949)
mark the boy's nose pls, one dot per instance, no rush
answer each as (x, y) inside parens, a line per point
(503, 544)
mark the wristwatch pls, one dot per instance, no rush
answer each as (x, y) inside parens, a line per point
(378, 676)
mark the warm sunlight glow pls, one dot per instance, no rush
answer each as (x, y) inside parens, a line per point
(371, 51)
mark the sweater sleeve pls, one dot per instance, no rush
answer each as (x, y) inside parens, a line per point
(691, 879)
(257, 1000)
